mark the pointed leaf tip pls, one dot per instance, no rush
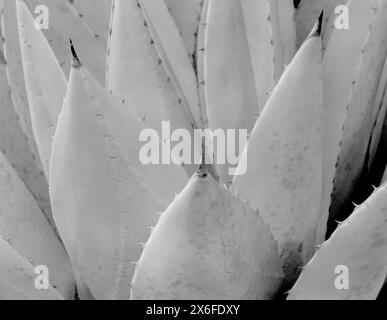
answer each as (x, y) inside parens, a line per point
(320, 22)
(75, 60)
(202, 170)
(317, 29)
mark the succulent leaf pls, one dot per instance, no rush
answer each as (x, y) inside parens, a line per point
(200, 48)
(174, 55)
(186, 14)
(29, 233)
(137, 76)
(14, 145)
(258, 23)
(102, 211)
(14, 66)
(282, 161)
(126, 129)
(378, 117)
(341, 62)
(96, 14)
(229, 80)
(208, 244)
(17, 276)
(282, 20)
(45, 83)
(358, 125)
(360, 245)
(65, 24)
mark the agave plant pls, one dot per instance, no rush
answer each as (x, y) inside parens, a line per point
(82, 216)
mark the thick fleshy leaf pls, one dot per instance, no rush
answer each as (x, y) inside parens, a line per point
(208, 244)
(186, 14)
(200, 47)
(271, 34)
(229, 79)
(96, 13)
(17, 278)
(14, 144)
(355, 255)
(378, 117)
(132, 72)
(45, 82)
(102, 211)
(280, 169)
(335, 14)
(258, 23)
(127, 129)
(383, 146)
(174, 55)
(64, 24)
(282, 20)
(24, 225)
(358, 125)
(137, 77)
(212, 167)
(15, 73)
(341, 62)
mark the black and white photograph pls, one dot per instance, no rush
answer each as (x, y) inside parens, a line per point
(206, 151)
